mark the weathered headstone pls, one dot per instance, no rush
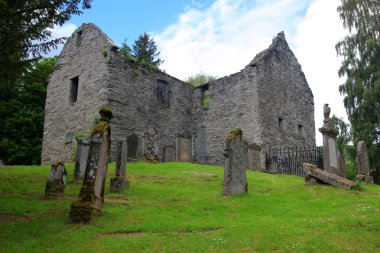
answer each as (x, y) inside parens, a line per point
(83, 146)
(56, 181)
(150, 145)
(236, 164)
(2, 163)
(201, 150)
(341, 165)
(362, 162)
(92, 192)
(313, 174)
(169, 154)
(183, 147)
(119, 181)
(254, 162)
(330, 152)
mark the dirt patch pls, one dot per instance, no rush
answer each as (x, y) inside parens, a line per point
(141, 232)
(14, 218)
(195, 172)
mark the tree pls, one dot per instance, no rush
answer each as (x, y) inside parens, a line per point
(22, 116)
(361, 65)
(144, 50)
(25, 30)
(200, 79)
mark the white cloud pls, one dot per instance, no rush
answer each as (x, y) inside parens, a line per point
(224, 37)
(61, 31)
(317, 34)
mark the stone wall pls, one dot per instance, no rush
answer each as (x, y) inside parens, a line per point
(137, 107)
(283, 94)
(83, 56)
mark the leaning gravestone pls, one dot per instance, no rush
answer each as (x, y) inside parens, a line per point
(56, 181)
(119, 182)
(83, 146)
(362, 162)
(235, 165)
(150, 145)
(92, 192)
(330, 152)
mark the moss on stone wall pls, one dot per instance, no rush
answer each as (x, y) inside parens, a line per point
(234, 133)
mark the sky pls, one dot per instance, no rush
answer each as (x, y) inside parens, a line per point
(220, 37)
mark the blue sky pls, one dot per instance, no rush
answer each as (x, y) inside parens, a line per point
(220, 37)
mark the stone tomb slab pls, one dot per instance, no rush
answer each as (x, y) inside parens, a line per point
(312, 171)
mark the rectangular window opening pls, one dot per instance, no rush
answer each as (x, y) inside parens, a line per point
(280, 123)
(205, 99)
(300, 131)
(79, 37)
(162, 93)
(74, 82)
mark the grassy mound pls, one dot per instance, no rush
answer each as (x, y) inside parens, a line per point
(178, 207)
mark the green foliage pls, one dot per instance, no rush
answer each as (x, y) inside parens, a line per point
(206, 99)
(22, 114)
(26, 28)
(200, 79)
(144, 51)
(178, 207)
(351, 171)
(344, 138)
(104, 52)
(361, 65)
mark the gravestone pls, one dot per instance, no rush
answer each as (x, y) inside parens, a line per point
(92, 192)
(150, 145)
(254, 157)
(314, 174)
(236, 164)
(330, 152)
(2, 163)
(119, 181)
(56, 181)
(132, 143)
(183, 147)
(341, 164)
(169, 154)
(83, 146)
(201, 145)
(362, 163)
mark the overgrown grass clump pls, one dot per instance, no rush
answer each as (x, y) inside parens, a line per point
(178, 207)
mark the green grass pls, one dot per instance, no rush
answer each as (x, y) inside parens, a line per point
(178, 207)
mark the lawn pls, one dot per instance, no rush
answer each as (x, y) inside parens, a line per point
(178, 207)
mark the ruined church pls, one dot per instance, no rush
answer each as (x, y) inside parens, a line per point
(269, 99)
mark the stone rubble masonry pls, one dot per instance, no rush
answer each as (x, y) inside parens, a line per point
(236, 164)
(362, 162)
(56, 181)
(150, 145)
(92, 192)
(83, 147)
(313, 174)
(271, 87)
(119, 182)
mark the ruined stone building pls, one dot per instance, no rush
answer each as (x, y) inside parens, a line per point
(269, 100)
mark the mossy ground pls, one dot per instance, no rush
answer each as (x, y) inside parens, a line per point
(178, 207)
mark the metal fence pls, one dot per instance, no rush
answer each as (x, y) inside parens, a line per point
(290, 160)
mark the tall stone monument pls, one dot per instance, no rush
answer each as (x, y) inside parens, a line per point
(150, 145)
(56, 181)
(119, 181)
(92, 192)
(362, 163)
(330, 152)
(235, 165)
(83, 146)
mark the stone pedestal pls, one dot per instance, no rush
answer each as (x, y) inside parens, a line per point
(236, 164)
(362, 163)
(119, 181)
(83, 146)
(92, 192)
(56, 181)
(150, 145)
(330, 152)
